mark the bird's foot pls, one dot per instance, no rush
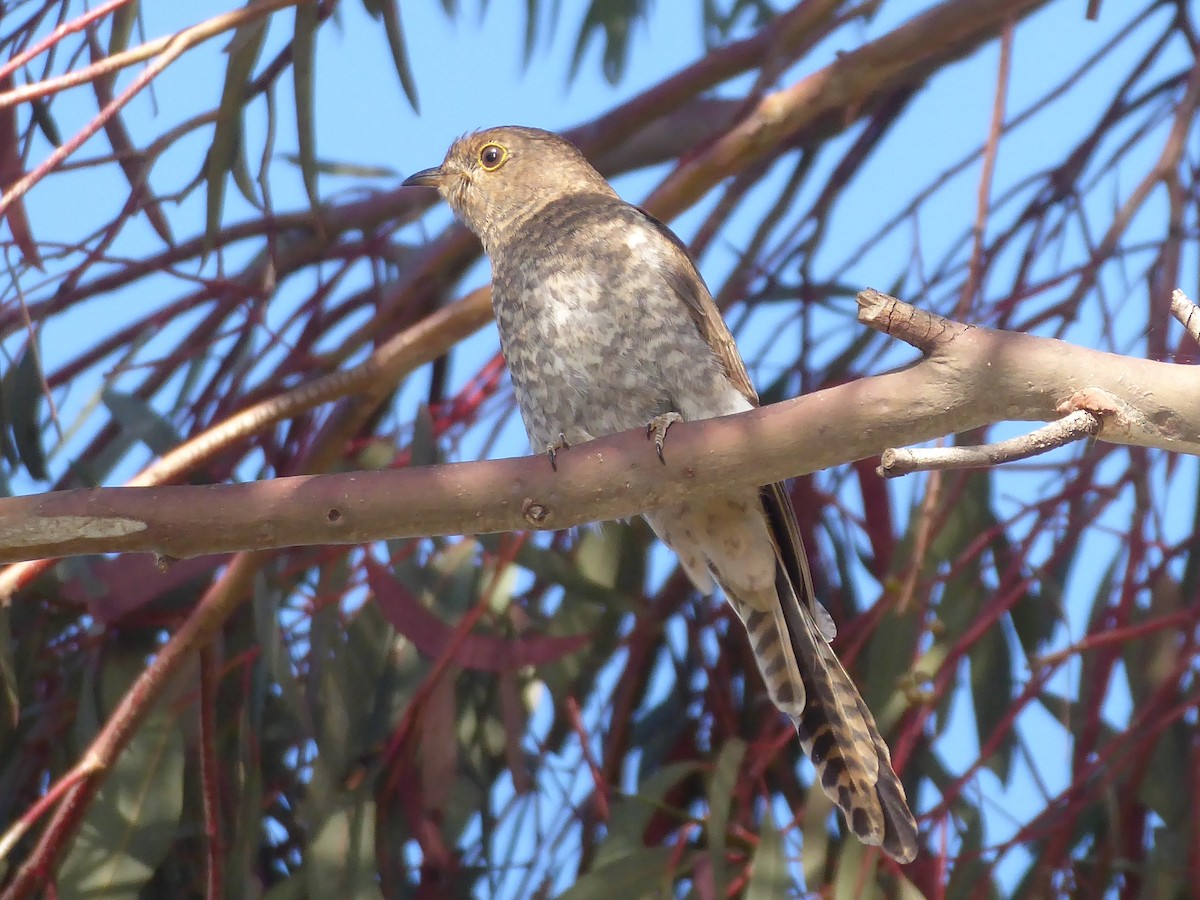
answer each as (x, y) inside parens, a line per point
(657, 429)
(553, 447)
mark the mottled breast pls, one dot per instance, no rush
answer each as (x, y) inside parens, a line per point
(596, 337)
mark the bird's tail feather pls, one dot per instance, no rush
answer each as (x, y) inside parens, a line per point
(806, 681)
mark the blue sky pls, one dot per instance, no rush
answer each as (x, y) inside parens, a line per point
(470, 74)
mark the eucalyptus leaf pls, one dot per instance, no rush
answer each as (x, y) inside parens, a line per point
(23, 393)
(141, 422)
(769, 876)
(389, 12)
(243, 51)
(643, 873)
(304, 48)
(720, 798)
(341, 857)
(131, 824)
(630, 815)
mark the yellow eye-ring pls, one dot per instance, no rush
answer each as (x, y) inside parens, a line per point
(492, 157)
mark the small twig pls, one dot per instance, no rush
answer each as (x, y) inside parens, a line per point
(984, 195)
(210, 787)
(924, 536)
(1076, 426)
(601, 787)
(171, 49)
(170, 53)
(17, 830)
(184, 39)
(1187, 313)
(1128, 634)
(79, 24)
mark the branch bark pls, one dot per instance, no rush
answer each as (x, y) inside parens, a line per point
(969, 377)
(1075, 426)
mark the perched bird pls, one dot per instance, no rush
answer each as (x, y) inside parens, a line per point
(606, 326)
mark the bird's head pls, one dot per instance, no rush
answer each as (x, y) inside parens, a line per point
(496, 178)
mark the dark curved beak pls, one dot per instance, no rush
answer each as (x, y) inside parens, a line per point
(425, 178)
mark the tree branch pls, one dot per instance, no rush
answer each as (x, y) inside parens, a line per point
(903, 56)
(969, 377)
(1187, 313)
(1073, 427)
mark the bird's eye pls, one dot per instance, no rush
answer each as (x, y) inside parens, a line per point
(492, 157)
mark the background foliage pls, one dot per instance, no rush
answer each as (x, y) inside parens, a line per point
(514, 716)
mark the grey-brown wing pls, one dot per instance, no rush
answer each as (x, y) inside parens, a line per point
(688, 284)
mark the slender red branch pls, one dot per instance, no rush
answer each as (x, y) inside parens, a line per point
(210, 774)
(79, 23)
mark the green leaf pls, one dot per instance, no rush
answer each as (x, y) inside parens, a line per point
(584, 581)
(1160, 790)
(657, 730)
(243, 180)
(7, 448)
(40, 111)
(992, 692)
(122, 21)
(598, 556)
(243, 50)
(631, 815)
(10, 698)
(424, 446)
(815, 847)
(340, 861)
(1165, 872)
(720, 799)
(293, 888)
(614, 19)
(970, 872)
(1036, 614)
(22, 401)
(640, 874)
(892, 645)
(304, 47)
(965, 592)
(1069, 714)
(130, 826)
(141, 422)
(389, 11)
(769, 876)
(855, 878)
(719, 25)
(532, 12)
(344, 169)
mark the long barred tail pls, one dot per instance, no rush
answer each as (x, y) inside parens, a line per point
(842, 751)
(838, 732)
(805, 680)
(751, 545)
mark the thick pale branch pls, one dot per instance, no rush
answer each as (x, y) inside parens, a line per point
(970, 377)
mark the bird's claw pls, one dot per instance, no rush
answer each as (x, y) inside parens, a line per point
(553, 447)
(657, 429)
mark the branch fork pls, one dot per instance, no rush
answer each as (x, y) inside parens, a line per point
(1088, 413)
